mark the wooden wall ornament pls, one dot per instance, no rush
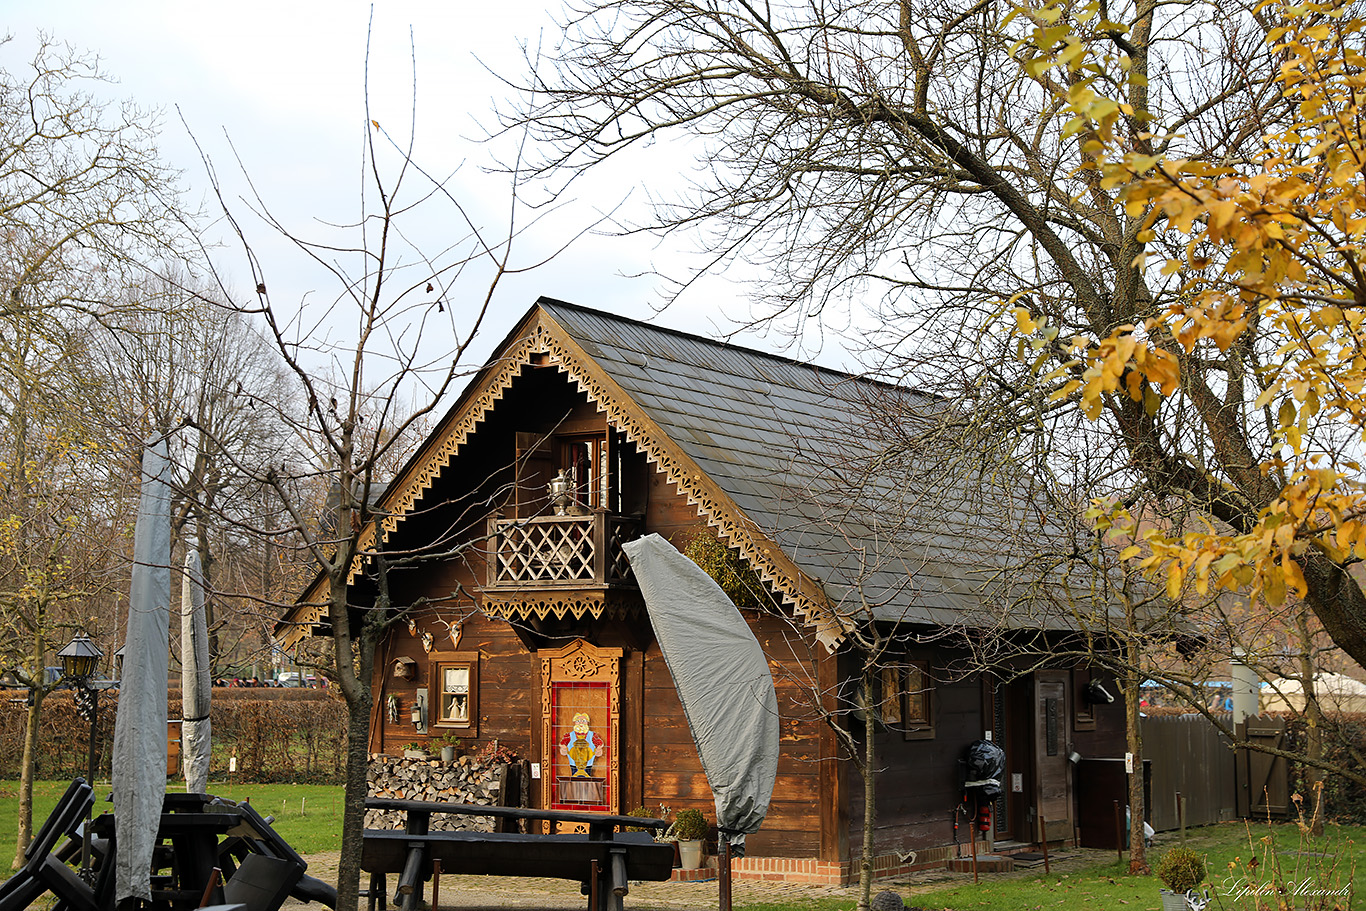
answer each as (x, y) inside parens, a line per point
(525, 605)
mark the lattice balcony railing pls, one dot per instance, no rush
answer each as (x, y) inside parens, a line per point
(559, 551)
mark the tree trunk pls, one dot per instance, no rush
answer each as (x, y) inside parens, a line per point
(353, 814)
(26, 770)
(865, 870)
(1133, 732)
(1313, 727)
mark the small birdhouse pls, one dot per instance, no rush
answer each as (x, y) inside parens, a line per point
(406, 668)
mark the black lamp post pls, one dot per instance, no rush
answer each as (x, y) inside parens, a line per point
(80, 657)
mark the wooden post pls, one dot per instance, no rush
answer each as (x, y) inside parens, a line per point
(214, 878)
(972, 835)
(594, 874)
(1119, 833)
(1043, 840)
(723, 886)
(436, 884)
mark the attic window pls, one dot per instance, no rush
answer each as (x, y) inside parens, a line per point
(540, 359)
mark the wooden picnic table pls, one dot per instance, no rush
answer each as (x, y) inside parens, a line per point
(602, 859)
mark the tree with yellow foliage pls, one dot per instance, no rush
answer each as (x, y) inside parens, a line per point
(1122, 226)
(1268, 248)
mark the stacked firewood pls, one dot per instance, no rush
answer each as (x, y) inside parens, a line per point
(464, 780)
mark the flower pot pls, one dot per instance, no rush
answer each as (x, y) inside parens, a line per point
(690, 853)
(448, 754)
(1174, 901)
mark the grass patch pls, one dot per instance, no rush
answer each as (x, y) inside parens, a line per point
(1325, 863)
(309, 817)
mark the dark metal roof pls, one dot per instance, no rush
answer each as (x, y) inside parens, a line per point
(782, 439)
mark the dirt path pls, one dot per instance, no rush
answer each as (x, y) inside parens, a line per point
(485, 893)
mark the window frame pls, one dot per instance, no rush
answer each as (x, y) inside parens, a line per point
(455, 660)
(920, 727)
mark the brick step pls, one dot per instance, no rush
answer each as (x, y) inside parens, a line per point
(986, 863)
(701, 874)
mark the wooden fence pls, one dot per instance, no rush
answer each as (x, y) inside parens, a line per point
(1192, 760)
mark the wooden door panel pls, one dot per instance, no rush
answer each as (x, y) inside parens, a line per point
(1053, 782)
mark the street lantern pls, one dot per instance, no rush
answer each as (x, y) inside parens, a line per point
(80, 657)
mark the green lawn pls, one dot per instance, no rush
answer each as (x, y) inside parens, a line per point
(1108, 886)
(309, 816)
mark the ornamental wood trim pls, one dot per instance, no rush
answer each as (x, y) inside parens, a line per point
(542, 335)
(559, 604)
(801, 592)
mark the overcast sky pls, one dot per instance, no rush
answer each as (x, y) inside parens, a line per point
(284, 81)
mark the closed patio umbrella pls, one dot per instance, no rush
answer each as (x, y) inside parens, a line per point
(195, 686)
(722, 678)
(139, 759)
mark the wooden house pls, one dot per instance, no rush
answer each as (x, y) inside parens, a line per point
(585, 430)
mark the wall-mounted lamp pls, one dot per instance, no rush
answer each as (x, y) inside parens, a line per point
(418, 715)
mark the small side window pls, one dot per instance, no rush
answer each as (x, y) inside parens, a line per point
(457, 692)
(918, 715)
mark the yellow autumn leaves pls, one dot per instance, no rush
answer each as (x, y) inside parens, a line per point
(1271, 256)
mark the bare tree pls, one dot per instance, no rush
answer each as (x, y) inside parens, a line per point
(83, 199)
(902, 150)
(396, 327)
(176, 354)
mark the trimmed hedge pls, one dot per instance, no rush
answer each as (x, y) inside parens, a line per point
(277, 735)
(1344, 801)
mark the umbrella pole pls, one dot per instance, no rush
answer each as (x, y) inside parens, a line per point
(724, 884)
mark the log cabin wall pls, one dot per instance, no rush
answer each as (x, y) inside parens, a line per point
(919, 787)
(672, 774)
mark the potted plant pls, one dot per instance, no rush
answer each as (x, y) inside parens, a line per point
(690, 828)
(414, 750)
(1180, 870)
(639, 813)
(450, 745)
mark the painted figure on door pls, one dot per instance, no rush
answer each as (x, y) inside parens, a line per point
(581, 746)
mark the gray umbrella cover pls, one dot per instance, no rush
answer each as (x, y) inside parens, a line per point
(722, 678)
(140, 729)
(195, 686)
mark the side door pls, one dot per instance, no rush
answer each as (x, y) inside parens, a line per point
(1053, 775)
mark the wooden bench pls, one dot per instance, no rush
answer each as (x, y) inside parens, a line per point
(602, 860)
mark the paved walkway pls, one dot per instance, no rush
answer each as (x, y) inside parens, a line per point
(486, 893)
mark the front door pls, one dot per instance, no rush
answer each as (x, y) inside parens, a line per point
(581, 727)
(1031, 722)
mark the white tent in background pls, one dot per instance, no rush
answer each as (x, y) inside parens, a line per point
(1335, 692)
(195, 683)
(139, 758)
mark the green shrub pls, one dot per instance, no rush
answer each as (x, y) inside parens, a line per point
(640, 813)
(690, 825)
(1180, 869)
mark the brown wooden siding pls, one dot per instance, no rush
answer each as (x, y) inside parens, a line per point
(918, 787)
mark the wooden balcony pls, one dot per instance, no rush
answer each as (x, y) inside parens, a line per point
(560, 552)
